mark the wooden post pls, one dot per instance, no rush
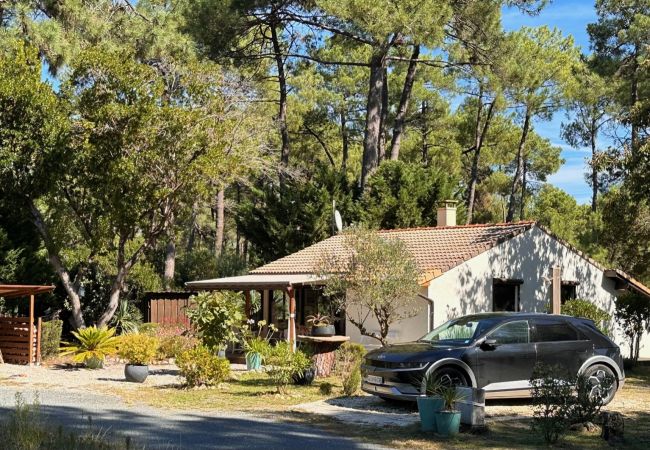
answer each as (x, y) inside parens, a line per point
(31, 330)
(556, 291)
(247, 307)
(38, 341)
(292, 317)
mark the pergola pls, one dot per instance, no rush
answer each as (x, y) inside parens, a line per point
(247, 283)
(19, 336)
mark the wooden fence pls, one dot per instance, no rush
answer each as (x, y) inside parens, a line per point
(20, 343)
(168, 308)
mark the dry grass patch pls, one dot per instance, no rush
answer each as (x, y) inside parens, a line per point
(246, 392)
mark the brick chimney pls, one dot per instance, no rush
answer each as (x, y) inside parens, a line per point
(447, 214)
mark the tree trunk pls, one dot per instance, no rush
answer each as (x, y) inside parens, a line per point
(522, 206)
(400, 118)
(58, 266)
(345, 142)
(282, 82)
(373, 118)
(519, 171)
(384, 118)
(480, 133)
(219, 225)
(170, 263)
(594, 169)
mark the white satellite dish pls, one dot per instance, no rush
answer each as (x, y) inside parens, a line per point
(337, 220)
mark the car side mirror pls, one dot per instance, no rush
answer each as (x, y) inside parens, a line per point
(489, 344)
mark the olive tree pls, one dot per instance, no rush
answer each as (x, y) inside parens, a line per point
(372, 276)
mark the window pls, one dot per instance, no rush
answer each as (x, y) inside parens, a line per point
(505, 295)
(568, 291)
(511, 333)
(554, 331)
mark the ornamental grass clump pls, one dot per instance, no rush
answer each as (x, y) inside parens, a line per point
(138, 349)
(201, 367)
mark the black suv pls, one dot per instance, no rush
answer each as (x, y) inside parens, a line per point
(496, 352)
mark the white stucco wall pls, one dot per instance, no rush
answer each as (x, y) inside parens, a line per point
(530, 256)
(409, 329)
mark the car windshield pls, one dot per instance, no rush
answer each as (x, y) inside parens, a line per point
(459, 331)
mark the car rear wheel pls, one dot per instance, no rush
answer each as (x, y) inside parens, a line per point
(450, 376)
(597, 376)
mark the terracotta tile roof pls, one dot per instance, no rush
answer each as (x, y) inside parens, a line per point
(436, 249)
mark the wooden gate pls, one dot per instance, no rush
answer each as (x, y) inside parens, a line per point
(20, 343)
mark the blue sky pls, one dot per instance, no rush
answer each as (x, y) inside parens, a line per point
(571, 17)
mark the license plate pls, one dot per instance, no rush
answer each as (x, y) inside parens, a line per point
(374, 379)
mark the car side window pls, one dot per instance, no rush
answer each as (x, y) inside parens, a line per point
(511, 333)
(554, 331)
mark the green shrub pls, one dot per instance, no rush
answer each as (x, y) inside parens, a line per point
(352, 381)
(587, 310)
(349, 357)
(172, 346)
(551, 398)
(201, 367)
(282, 364)
(216, 316)
(325, 388)
(51, 338)
(138, 349)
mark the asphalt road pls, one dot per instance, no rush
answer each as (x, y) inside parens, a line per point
(162, 429)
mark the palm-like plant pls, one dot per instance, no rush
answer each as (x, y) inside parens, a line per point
(94, 345)
(127, 318)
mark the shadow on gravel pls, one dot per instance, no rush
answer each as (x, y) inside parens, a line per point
(191, 431)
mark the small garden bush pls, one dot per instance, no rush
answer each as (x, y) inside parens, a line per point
(587, 310)
(201, 367)
(138, 349)
(348, 364)
(51, 338)
(282, 364)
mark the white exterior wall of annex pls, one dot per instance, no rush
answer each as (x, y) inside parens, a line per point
(409, 329)
(467, 288)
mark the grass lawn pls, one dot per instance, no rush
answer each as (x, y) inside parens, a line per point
(247, 391)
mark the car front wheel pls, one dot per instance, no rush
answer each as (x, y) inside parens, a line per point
(450, 376)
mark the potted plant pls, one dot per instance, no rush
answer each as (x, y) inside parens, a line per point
(139, 350)
(321, 325)
(430, 402)
(256, 344)
(94, 345)
(448, 419)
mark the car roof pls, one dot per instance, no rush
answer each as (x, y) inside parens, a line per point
(519, 315)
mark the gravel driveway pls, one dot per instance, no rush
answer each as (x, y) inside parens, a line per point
(67, 398)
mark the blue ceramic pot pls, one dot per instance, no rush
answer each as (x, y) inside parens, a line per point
(428, 407)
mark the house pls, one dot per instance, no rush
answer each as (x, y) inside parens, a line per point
(465, 269)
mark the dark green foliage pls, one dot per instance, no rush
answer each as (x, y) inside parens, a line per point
(586, 309)
(551, 397)
(633, 316)
(51, 338)
(283, 218)
(201, 367)
(401, 194)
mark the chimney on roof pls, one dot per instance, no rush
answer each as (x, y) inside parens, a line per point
(447, 214)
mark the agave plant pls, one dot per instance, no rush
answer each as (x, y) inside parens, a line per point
(127, 318)
(94, 345)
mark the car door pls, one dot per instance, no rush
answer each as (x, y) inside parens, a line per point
(508, 363)
(558, 343)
